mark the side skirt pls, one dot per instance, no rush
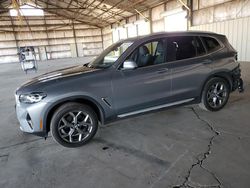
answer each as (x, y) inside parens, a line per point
(155, 108)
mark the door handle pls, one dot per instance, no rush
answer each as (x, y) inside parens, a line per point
(160, 71)
(207, 61)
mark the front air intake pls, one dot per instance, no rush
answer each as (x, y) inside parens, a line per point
(28, 119)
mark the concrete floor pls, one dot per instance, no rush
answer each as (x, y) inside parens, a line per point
(181, 147)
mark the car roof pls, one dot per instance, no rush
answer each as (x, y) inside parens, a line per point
(166, 34)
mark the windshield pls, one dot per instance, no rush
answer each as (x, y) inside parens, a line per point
(109, 56)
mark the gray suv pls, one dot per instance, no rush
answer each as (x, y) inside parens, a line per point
(131, 77)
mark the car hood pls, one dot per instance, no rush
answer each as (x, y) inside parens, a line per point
(61, 73)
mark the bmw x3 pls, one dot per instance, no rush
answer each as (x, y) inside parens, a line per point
(130, 77)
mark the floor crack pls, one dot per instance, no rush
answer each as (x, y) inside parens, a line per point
(6, 155)
(4, 158)
(205, 155)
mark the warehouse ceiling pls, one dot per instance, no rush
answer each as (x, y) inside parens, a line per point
(98, 13)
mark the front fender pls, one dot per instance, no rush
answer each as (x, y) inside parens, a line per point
(53, 105)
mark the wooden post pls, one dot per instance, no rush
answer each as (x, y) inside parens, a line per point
(14, 33)
(74, 34)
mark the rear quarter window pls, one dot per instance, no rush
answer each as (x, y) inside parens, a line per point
(211, 44)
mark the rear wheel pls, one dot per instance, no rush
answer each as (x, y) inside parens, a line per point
(74, 124)
(215, 94)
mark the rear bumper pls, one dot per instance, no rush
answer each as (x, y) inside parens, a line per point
(237, 82)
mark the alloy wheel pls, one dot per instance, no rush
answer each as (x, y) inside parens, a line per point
(217, 95)
(75, 126)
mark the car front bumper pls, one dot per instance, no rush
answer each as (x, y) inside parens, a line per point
(31, 117)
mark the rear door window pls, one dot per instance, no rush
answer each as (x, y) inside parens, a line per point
(184, 47)
(211, 44)
(199, 47)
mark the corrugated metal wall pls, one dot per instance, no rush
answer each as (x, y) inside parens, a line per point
(228, 17)
(237, 32)
(51, 36)
(107, 37)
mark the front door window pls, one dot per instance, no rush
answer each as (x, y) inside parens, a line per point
(150, 53)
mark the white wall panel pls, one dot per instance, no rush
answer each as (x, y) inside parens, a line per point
(123, 33)
(156, 12)
(237, 32)
(248, 41)
(7, 59)
(143, 28)
(58, 40)
(158, 26)
(132, 31)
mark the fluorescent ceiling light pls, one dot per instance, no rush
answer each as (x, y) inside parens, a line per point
(27, 10)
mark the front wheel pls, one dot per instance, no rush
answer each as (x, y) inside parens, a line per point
(215, 94)
(74, 124)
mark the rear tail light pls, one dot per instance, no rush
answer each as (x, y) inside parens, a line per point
(236, 56)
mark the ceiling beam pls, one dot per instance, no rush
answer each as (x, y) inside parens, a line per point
(98, 7)
(129, 7)
(62, 14)
(80, 12)
(7, 31)
(3, 2)
(118, 5)
(36, 25)
(69, 3)
(119, 2)
(61, 8)
(87, 10)
(92, 9)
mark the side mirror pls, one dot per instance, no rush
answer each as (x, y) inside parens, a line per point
(129, 65)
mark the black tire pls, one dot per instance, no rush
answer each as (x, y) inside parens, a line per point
(209, 93)
(66, 121)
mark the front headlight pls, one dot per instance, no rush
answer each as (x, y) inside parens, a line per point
(32, 97)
